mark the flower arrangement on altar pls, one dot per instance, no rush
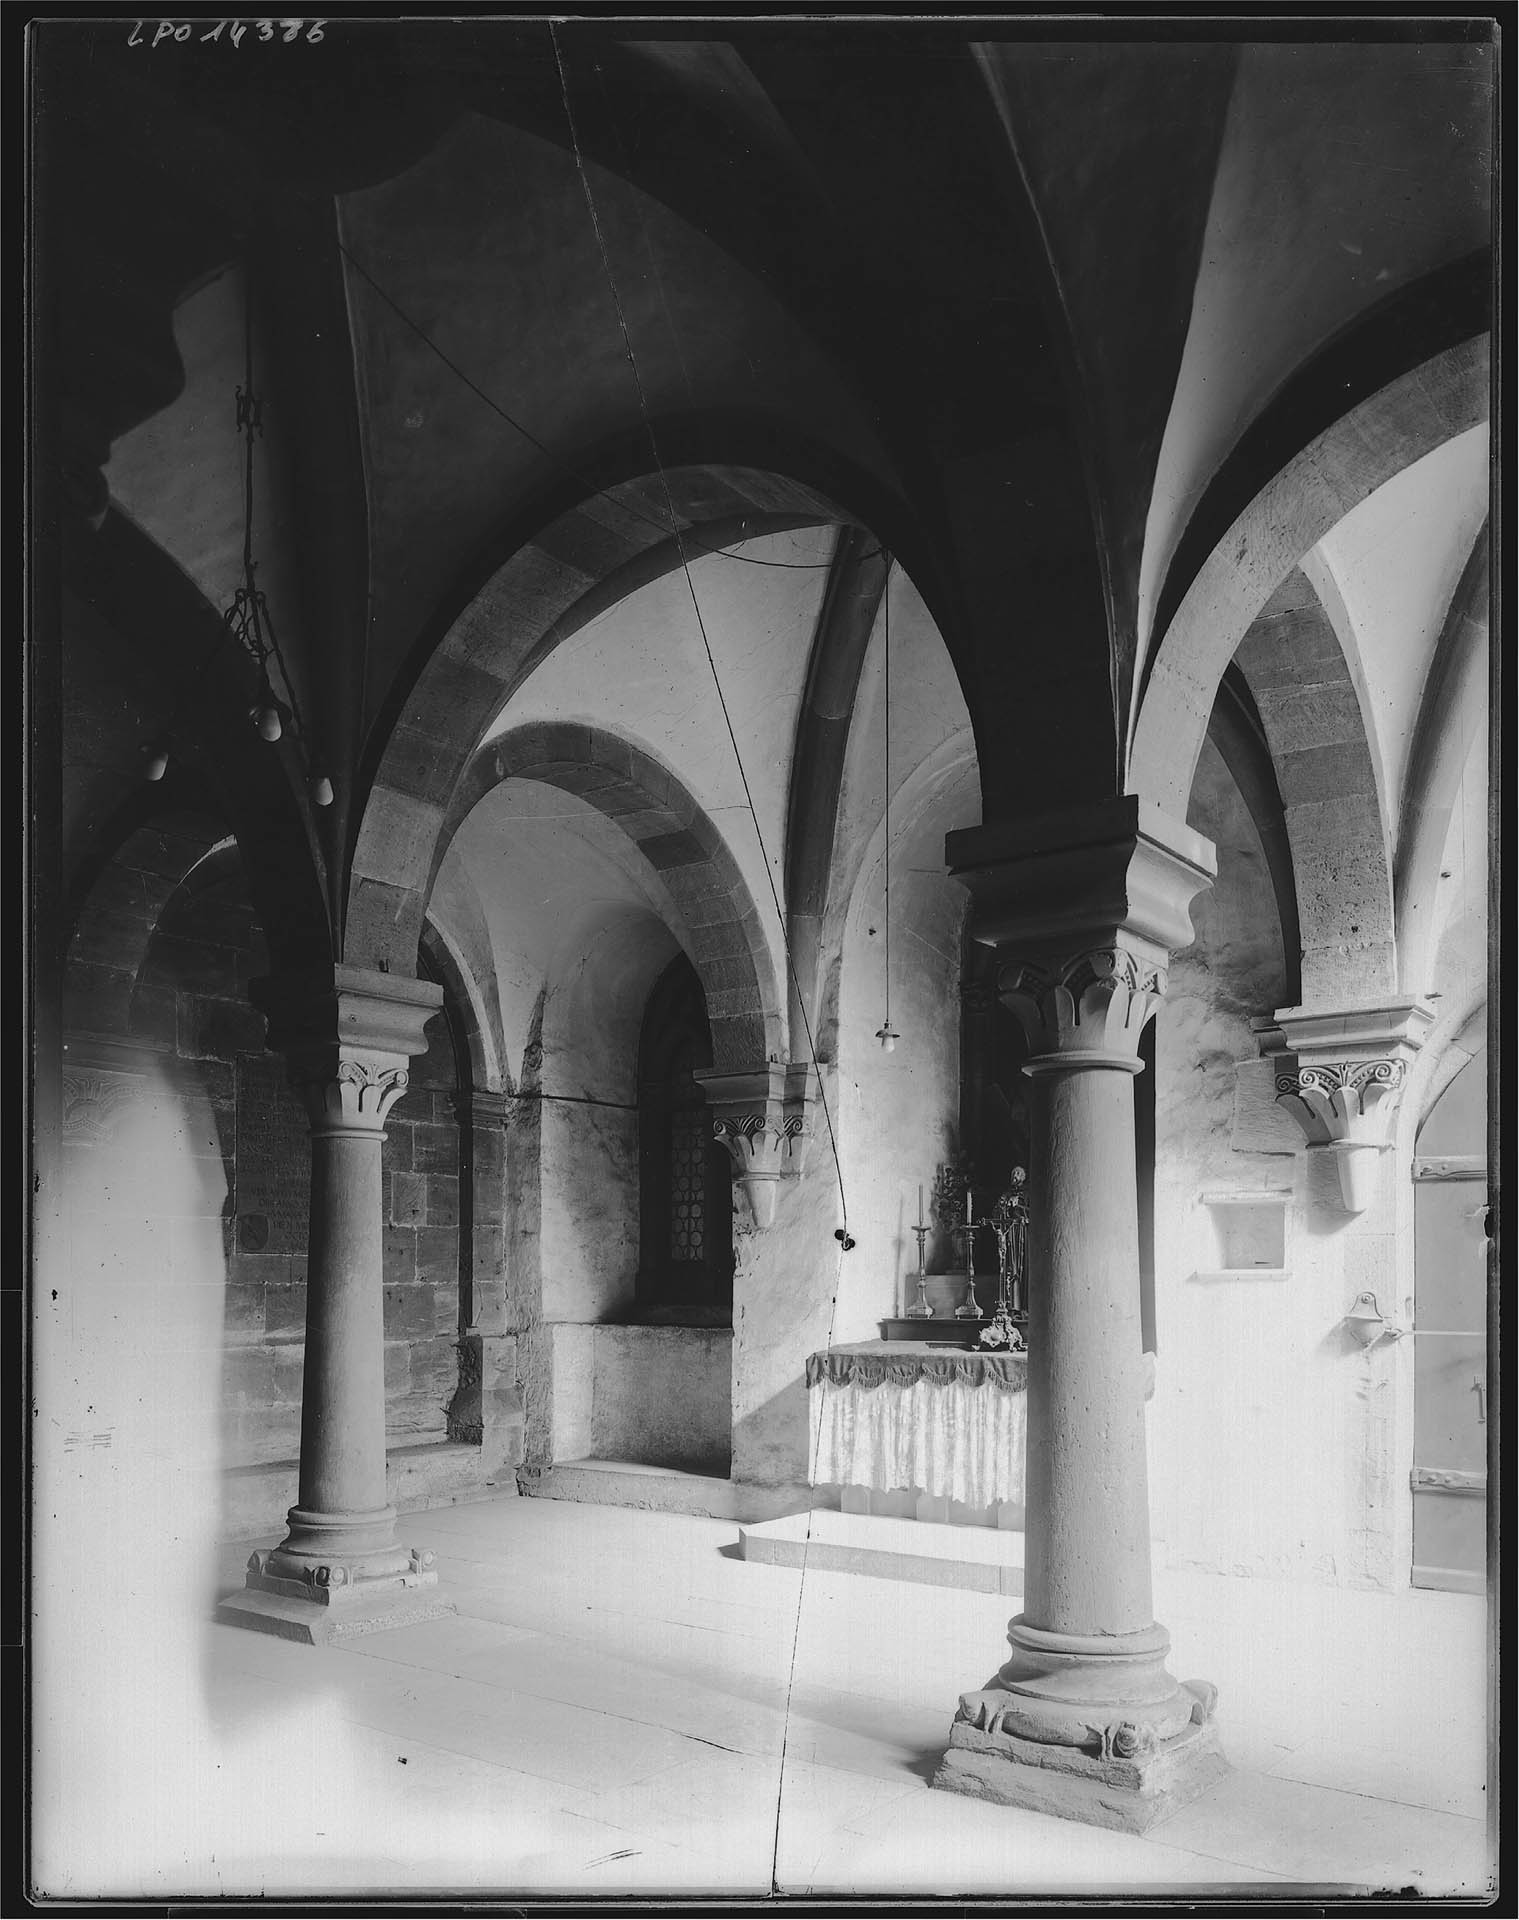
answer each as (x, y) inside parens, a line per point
(1009, 1222)
(952, 1184)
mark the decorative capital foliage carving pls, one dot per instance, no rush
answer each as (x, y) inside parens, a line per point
(1340, 1075)
(763, 1119)
(356, 1091)
(1094, 1001)
(1336, 1091)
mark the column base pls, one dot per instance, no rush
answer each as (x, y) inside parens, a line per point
(317, 1603)
(1087, 1727)
(314, 1625)
(1104, 1790)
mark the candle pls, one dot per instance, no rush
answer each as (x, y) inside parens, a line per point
(920, 1204)
(968, 1221)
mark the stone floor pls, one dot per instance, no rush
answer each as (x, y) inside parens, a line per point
(621, 1705)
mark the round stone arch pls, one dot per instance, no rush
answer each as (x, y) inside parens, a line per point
(721, 927)
(137, 874)
(1310, 710)
(1309, 496)
(217, 764)
(1453, 708)
(568, 572)
(475, 1038)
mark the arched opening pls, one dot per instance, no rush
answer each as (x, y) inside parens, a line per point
(1216, 1162)
(486, 673)
(897, 922)
(685, 1198)
(159, 1028)
(156, 1318)
(1306, 500)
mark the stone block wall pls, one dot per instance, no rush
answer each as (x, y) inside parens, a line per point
(156, 1004)
(422, 1244)
(1260, 1392)
(655, 1396)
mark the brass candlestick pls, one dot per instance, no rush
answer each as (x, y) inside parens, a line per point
(920, 1310)
(969, 1308)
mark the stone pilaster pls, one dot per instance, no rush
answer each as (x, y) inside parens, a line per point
(763, 1119)
(487, 1409)
(1084, 1719)
(348, 1035)
(1340, 1073)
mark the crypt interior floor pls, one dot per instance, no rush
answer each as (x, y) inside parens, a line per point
(620, 1705)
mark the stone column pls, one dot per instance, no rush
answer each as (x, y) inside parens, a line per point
(347, 1034)
(1085, 1720)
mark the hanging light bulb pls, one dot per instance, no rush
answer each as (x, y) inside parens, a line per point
(321, 789)
(248, 617)
(156, 763)
(265, 714)
(888, 1036)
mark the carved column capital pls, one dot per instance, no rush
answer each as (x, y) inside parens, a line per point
(1093, 1003)
(1084, 908)
(1340, 1074)
(763, 1119)
(347, 1034)
(355, 1092)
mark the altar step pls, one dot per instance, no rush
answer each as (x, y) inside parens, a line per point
(626, 1483)
(927, 1552)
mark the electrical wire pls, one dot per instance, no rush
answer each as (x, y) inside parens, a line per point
(886, 776)
(248, 617)
(843, 1233)
(679, 536)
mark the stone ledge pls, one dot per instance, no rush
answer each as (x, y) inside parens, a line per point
(255, 1499)
(618, 1483)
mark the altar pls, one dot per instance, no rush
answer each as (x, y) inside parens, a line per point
(895, 1414)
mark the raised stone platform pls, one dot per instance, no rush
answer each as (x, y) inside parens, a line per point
(624, 1483)
(929, 1553)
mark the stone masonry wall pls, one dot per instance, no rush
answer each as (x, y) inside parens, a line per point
(422, 1232)
(156, 994)
(1272, 1432)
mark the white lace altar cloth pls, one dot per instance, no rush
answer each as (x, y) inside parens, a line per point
(958, 1437)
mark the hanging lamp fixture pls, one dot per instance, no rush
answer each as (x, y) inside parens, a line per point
(247, 618)
(886, 1033)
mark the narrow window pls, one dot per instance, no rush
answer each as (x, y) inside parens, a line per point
(685, 1268)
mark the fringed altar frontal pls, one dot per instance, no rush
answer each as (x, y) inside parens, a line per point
(893, 1415)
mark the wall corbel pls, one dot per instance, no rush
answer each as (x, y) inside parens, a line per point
(1340, 1075)
(763, 1119)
